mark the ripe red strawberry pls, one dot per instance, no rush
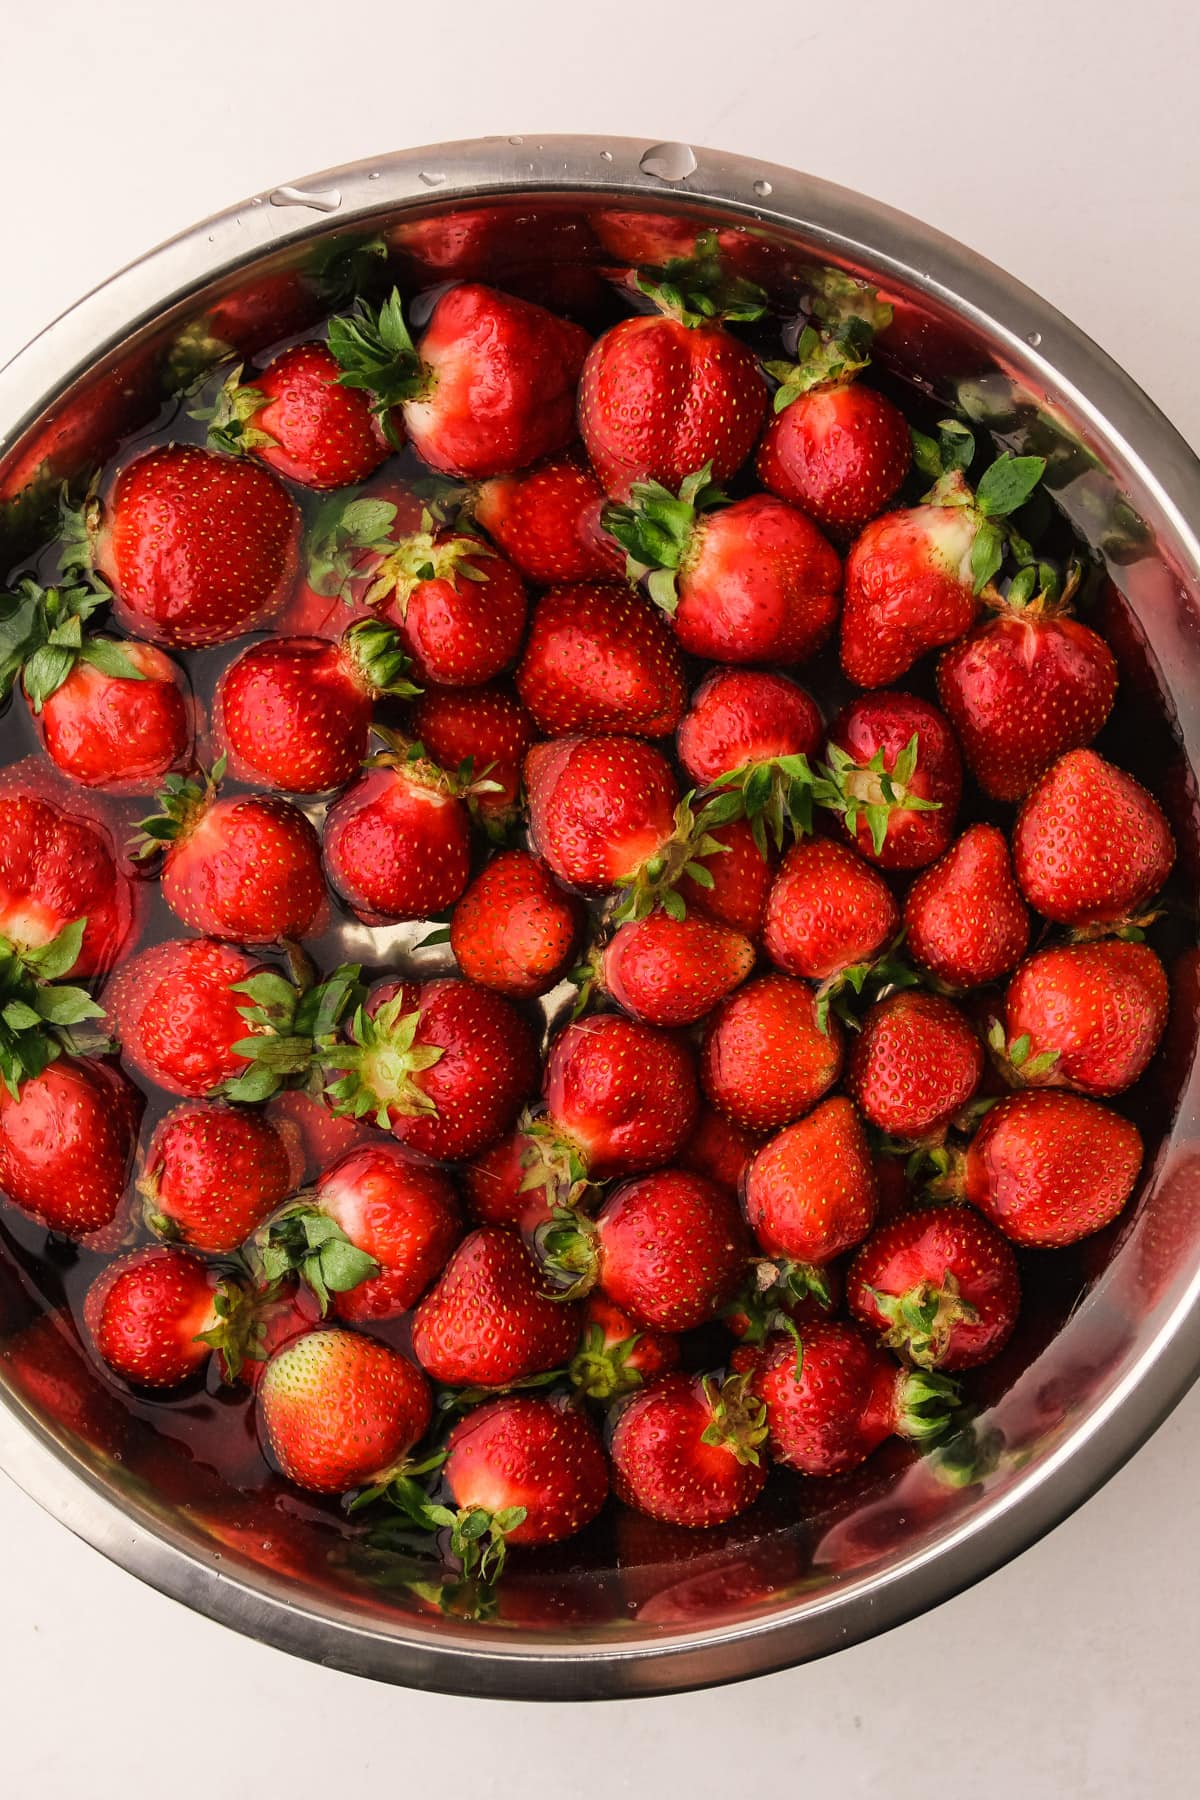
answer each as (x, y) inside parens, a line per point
(914, 1065)
(827, 911)
(669, 971)
(738, 879)
(895, 776)
(719, 1150)
(1048, 1168)
(296, 712)
(213, 1173)
(669, 1248)
(58, 868)
(940, 1286)
(156, 1316)
(297, 417)
(247, 867)
(832, 447)
(738, 719)
(198, 548)
(67, 1142)
(486, 1322)
(778, 1296)
(547, 522)
(964, 919)
(345, 543)
(675, 245)
(443, 1064)
(837, 1400)
(600, 658)
(321, 1384)
(616, 1355)
(176, 1014)
(398, 843)
(489, 389)
(515, 929)
(373, 1233)
(1090, 845)
(459, 607)
(487, 726)
(314, 1134)
(749, 582)
(766, 1059)
(1026, 685)
(689, 1451)
(622, 1095)
(495, 1181)
(600, 808)
(1086, 1016)
(539, 1456)
(810, 1191)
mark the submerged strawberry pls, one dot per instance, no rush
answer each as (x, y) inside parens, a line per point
(600, 658)
(689, 1451)
(620, 1096)
(175, 1010)
(398, 843)
(298, 418)
(894, 774)
(719, 1150)
(615, 1355)
(58, 870)
(601, 808)
(515, 929)
(766, 1057)
(1090, 845)
(964, 919)
(669, 971)
(810, 1191)
(729, 879)
(318, 1382)
(547, 522)
(1086, 1016)
(156, 1316)
(914, 1065)
(485, 729)
(1049, 1167)
(459, 607)
(828, 911)
(939, 1285)
(486, 1322)
(66, 1144)
(540, 1458)
(212, 1175)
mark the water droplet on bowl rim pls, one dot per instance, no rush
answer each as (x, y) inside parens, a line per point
(516, 140)
(762, 188)
(606, 156)
(324, 200)
(669, 162)
(1033, 339)
(431, 177)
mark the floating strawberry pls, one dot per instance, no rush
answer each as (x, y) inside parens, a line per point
(828, 912)
(197, 548)
(600, 658)
(766, 1057)
(58, 869)
(495, 1181)
(740, 719)
(671, 972)
(601, 809)
(1027, 684)
(913, 578)
(751, 581)
(620, 1096)
(719, 1150)
(964, 919)
(689, 1451)
(547, 522)
(175, 1010)
(668, 1248)
(486, 1322)
(296, 712)
(485, 727)
(315, 1384)
(810, 1191)
(156, 1316)
(1086, 1016)
(515, 929)
(894, 773)
(1048, 1167)
(66, 1144)
(213, 1173)
(1090, 845)
(298, 418)
(730, 879)
(539, 1457)
(459, 607)
(489, 389)
(398, 843)
(914, 1065)
(940, 1286)
(615, 1355)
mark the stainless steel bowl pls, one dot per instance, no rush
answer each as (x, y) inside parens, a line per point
(1113, 1341)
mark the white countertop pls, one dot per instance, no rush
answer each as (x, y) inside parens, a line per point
(1061, 141)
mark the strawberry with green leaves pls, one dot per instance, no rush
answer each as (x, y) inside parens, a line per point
(690, 1450)
(766, 1057)
(37, 1008)
(344, 544)
(752, 731)
(727, 875)
(298, 417)
(486, 1321)
(212, 1175)
(615, 1355)
(318, 1382)
(599, 658)
(537, 1458)
(174, 1009)
(459, 607)
(939, 1286)
(158, 1315)
(546, 521)
(893, 774)
(620, 1098)
(1086, 1016)
(603, 812)
(58, 868)
(964, 919)
(1090, 846)
(515, 929)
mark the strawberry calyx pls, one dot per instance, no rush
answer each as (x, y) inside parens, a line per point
(378, 659)
(824, 359)
(1001, 490)
(37, 1010)
(836, 298)
(602, 1371)
(236, 1331)
(868, 981)
(343, 532)
(921, 1319)
(653, 882)
(424, 555)
(567, 1248)
(1013, 1060)
(941, 1170)
(1131, 929)
(182, 802)
(739, 1420)
(408, 755)
(303, 1240)
(290, 1023)
(698, 289)
(1036, 592)
(656, 529)
(775, 1286)
(230, 418)
(925, 1405)
(42, 639)
(774, 796)
(869, 791)
(966, 1456)
(378, 1065)
(477, 1538)
(374, 350)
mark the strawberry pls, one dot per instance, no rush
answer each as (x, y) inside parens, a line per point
(156, 1316)
(779, 1296)
(615, 1355)
(547, 522)
(212, 1175)
(601, 659)
(444, 1065)
(749, 582)
(175, 1010)
(297, 417)
(836, 1397)
(810, 1191)
(668, 1248)
(515, 929)
(689, 1451)
(197, 548)
(1048, 1168)
(913, 578)
(734, 878)
(66, 1144)
(111, 713)
(740, 719)
(373, 1233)
(485, 1322)
(914, 1065)
(828, 911)
(314, 1134)
(343, 547)
(296, 712)
(489, 389)
(940, 1286)
(719, 1150)
(246, 867)
(895, 776)
(486, 726)
(539, 1457)
(620, 1095)
(669, 971)
(1086, 1016)
(459, 607)
(58, 869)
(1026, 685)
(1090, 845)
(964, 919)
(338, 1410)
(677, 245)
(601, 809)
(766, 1059)
(398, 843)
(495, 1181)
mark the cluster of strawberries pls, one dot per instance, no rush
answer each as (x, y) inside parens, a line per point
(789, 1039)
